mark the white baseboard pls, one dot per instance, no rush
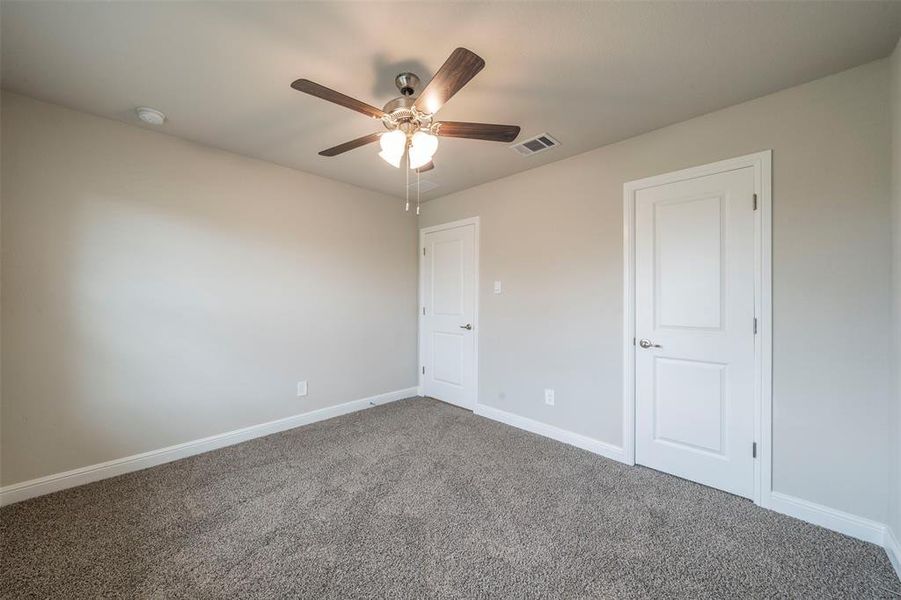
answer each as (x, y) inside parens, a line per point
(817, 514)
(561, 435)
(53, 483)
(893, 548)
(830, 518)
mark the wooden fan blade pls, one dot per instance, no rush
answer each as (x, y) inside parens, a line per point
(457, 70)
(320, 91)
(426, 167)
(341, 148)
(478, 131)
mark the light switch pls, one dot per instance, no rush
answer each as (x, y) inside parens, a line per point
(497, 287)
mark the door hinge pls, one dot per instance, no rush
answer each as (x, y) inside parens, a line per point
(423, 251)
(423, 310)
(755, 201)
(755, 325)
(754, 450)
(423, 370)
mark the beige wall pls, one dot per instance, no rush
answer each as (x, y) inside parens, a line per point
(895, 504)
(553, 235)
(157, 291)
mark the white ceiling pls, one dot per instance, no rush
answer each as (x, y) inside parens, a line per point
(589, 73)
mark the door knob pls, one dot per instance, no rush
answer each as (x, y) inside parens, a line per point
(648, 344)
(468, 326)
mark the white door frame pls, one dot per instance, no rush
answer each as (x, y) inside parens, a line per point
(763, 368)
(475, 318)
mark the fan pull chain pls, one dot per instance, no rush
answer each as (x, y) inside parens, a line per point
(417, 192)
(407, 164)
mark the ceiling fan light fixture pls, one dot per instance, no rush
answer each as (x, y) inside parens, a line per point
(393, 142)
(392, 159)
(418, 158)
(425, 143)
(422, 149)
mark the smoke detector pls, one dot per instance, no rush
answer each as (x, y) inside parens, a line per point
(150, 115)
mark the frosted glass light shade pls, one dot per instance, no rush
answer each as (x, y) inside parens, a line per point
(392, 159)
(393, 142)
(425, 143)
(418, 158)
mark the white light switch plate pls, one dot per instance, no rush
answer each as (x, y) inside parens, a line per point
(301, 388)
(497, 287)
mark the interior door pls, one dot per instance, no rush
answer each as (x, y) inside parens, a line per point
(448, 317)
(695, 329)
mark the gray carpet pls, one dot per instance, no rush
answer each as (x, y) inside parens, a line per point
(418, 499)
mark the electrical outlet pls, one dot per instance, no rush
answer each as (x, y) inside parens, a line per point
(549, 397)
(497, 287)
(301, 388)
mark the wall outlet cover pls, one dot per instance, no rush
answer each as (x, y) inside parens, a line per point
(301, 388)
(549, 397)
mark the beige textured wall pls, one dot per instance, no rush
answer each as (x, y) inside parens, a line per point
(895, 503)
(157, 291)
(553, 235)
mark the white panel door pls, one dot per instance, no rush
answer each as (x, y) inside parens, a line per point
(694, 325)
(448, 318)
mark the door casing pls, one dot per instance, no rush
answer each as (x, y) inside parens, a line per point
(761, 162)
(474, 221)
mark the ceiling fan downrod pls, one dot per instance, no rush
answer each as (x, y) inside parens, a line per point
(406, 83)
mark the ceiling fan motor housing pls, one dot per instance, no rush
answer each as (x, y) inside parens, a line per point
(399, 108)
(401, 103)
(400, 112)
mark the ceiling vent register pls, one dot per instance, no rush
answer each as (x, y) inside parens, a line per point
(424, 185)
(537, 144)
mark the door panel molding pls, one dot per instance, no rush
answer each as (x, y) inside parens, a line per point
(423, 231)
(761, 162)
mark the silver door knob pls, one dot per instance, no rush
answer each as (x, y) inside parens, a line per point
(468, 326)
(648, 344)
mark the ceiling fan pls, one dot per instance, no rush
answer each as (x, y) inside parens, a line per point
(409, 118)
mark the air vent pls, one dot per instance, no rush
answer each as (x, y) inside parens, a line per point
(425, 185)
(537, 144)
